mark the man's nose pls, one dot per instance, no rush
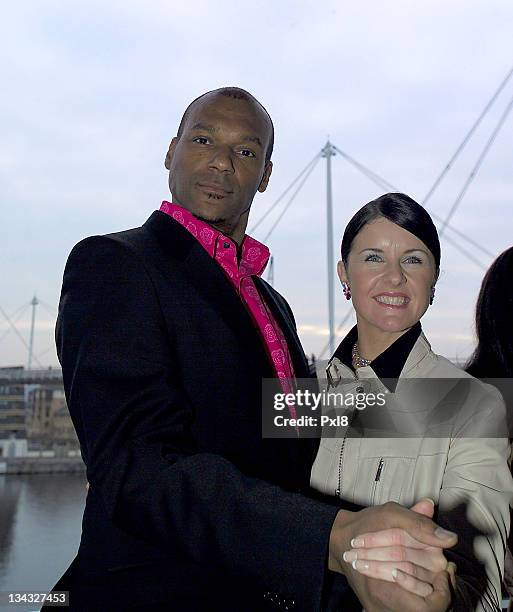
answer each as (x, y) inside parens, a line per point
(221, 160)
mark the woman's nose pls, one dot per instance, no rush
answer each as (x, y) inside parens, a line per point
(395, 273)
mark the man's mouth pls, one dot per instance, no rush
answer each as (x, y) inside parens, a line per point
(392, 300)
(214, 192)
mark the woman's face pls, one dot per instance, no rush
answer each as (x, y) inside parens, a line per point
(390, 273)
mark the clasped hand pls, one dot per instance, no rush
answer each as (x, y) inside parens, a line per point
(393, 557)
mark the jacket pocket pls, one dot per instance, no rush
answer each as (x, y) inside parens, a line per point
(382, 479)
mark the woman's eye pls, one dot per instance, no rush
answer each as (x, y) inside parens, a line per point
(413, 259)
(200, 140)
(373, 257)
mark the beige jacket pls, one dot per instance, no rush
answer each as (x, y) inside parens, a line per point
(456, 471)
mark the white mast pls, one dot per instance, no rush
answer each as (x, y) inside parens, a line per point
(328, 152)
(34, 303)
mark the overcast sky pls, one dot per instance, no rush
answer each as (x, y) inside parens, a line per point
(92, 92)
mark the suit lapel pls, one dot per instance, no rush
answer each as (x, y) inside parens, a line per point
(280, 312)
(209, 279)
(185, 255)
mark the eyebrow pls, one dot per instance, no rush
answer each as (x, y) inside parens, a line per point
(381, 251)
(203, 126)
(212, 129)
(254, 139)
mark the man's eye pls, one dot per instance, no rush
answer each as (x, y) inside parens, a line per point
(247, 153)
(200, 140)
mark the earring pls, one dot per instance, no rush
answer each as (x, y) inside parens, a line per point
(346, 291)
(432, 298)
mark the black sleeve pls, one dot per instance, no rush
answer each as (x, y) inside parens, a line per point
(123, 389)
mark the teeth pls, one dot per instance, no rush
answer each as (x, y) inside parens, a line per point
(215, 196)
(395, 301)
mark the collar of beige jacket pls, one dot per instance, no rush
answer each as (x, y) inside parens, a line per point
(417, 363)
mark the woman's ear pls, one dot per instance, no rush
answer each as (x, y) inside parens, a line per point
(341, 271)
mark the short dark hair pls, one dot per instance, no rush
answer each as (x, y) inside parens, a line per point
(493, 356)
(237, 94)
(401, 210)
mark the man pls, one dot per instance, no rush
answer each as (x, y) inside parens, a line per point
(164, 334)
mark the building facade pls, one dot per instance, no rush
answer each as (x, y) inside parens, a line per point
(13, 427)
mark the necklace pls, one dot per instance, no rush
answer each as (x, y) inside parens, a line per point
(358, 360)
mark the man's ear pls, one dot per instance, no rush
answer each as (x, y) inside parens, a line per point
(265, 178)
(169, 154)
(341, 271)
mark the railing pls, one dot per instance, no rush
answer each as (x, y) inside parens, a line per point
(20, 376)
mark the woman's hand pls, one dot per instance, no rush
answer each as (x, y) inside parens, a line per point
(395, 556)
(394, 595)
(410, 576)
(378, 554)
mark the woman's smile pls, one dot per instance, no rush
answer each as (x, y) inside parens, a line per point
(392, 300)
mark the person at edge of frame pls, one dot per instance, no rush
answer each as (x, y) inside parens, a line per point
(493, 356)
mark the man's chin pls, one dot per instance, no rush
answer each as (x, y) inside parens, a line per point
(211, 220)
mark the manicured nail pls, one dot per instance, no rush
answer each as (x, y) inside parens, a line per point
(428, 499)
(452, 567)
(443, 534)
(360, 565)
(357, 543)
(350, 555)
(398, 574)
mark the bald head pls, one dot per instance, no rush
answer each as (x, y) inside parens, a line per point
(219, 159)
(236, 93)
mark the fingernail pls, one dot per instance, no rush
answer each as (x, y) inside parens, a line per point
(360, 565)
(357, 543)
(394, 573)
(350, 555)
(443, 534)
(428, 499)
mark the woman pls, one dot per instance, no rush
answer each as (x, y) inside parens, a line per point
(390, 265)
(493, 356)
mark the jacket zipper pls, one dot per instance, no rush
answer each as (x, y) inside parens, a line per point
(341, 456)
(377, 478)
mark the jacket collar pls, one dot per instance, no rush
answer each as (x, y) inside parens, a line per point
(187, 257)
(417, 363)
(285, 320)
(253, 254)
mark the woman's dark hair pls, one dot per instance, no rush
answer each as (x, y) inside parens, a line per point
(493, 356)
(401, 210)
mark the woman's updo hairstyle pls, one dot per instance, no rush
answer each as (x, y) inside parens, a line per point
(404, 212)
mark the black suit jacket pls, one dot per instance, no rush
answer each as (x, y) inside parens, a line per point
(188, 507)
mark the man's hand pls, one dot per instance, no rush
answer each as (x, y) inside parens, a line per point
(378, 595)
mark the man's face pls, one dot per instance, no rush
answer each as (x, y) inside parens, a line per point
(218, 163)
